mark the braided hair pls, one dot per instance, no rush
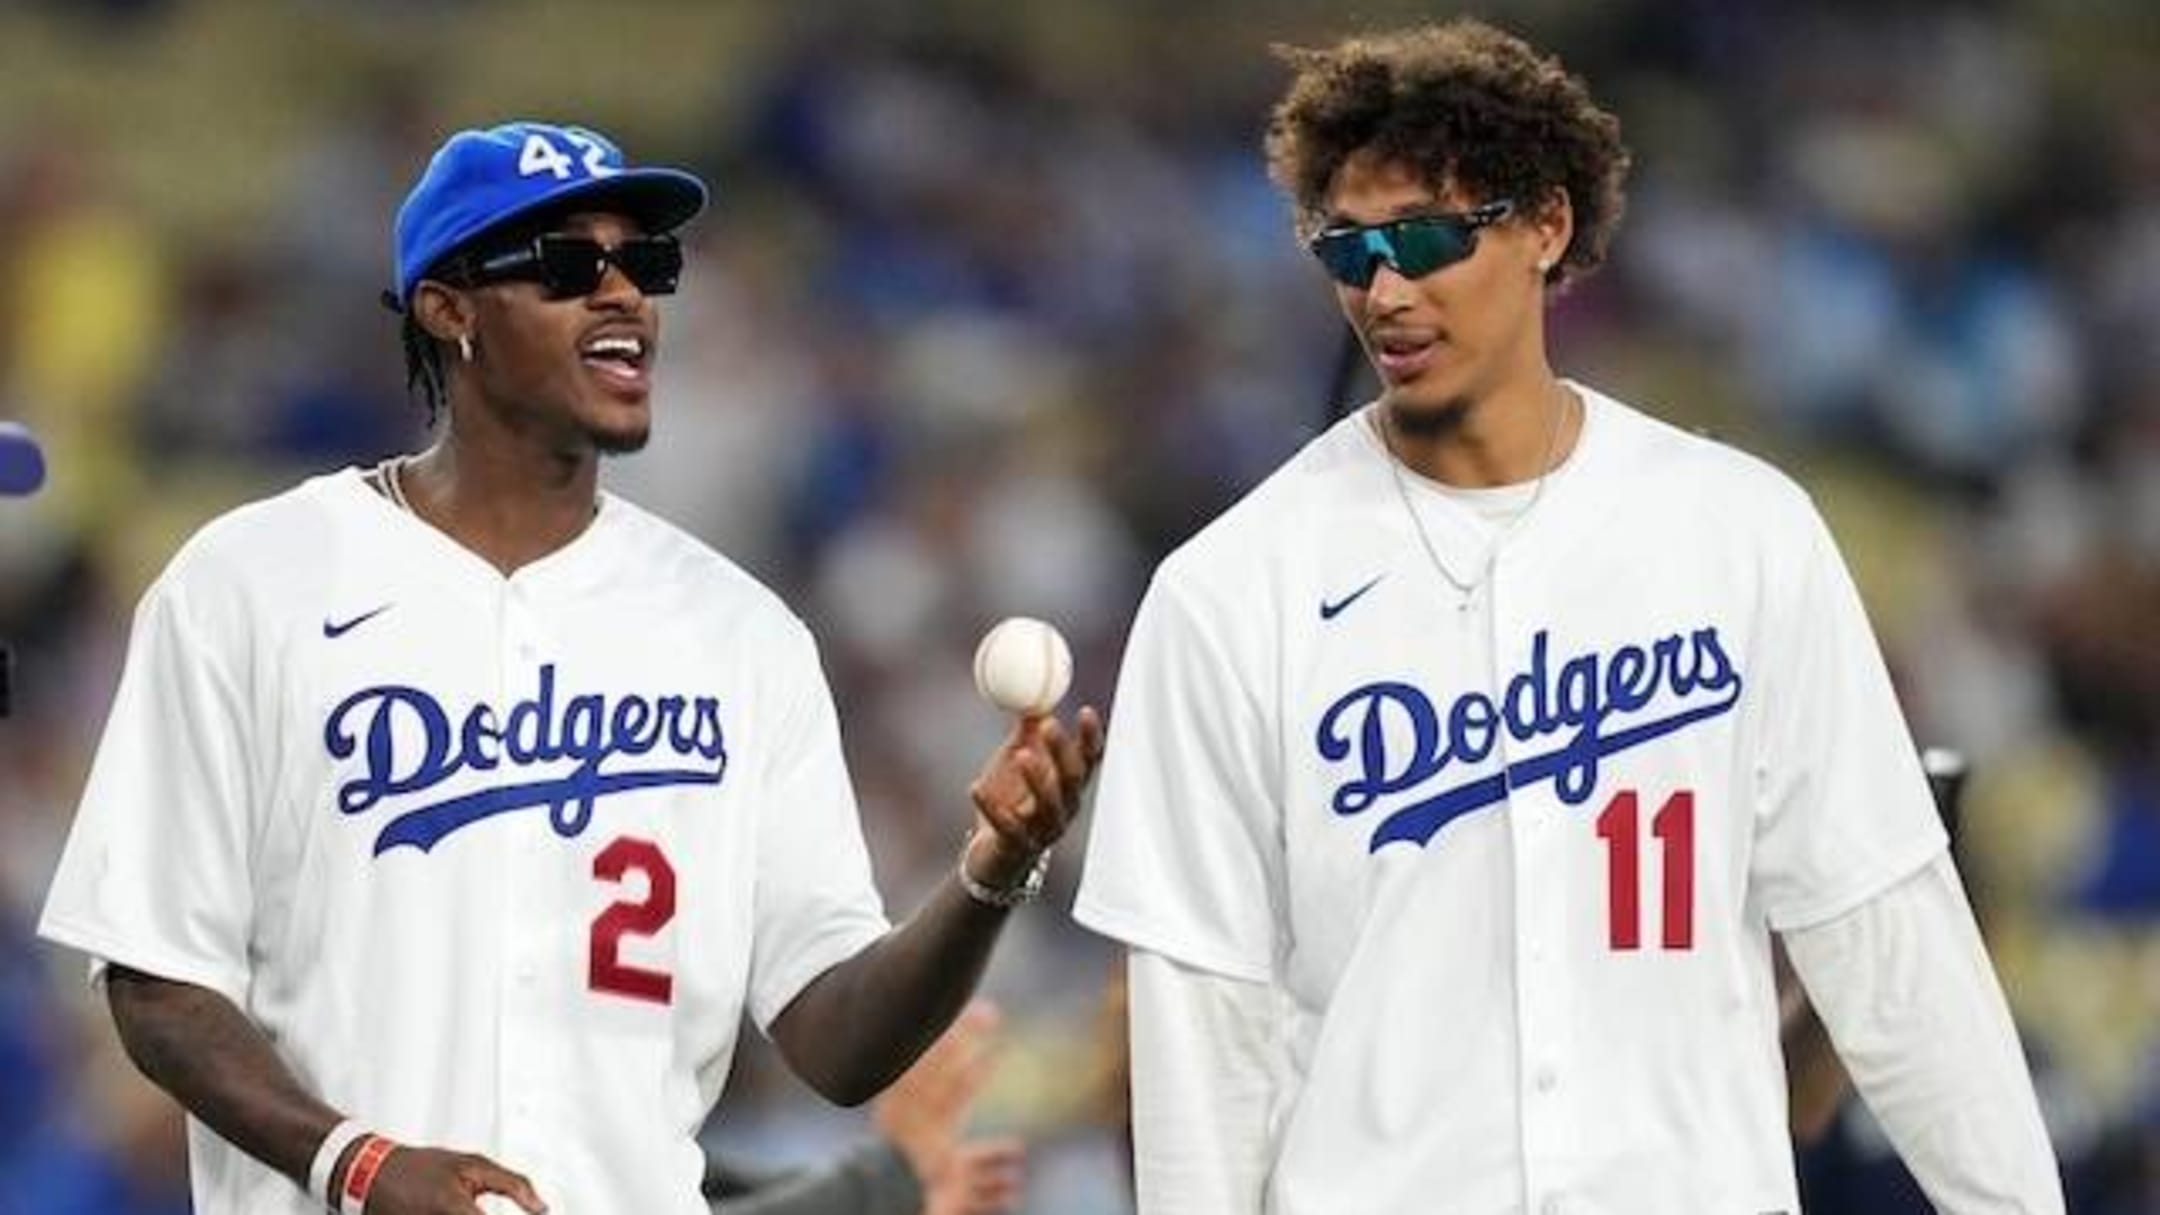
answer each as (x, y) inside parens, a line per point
(425, 377)
(427, 372)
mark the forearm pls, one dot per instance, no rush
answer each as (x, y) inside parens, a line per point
(194, 1044)
(856, 1027)
(1205, 1066)
(1906, 990)
(1815, 1080)
(873, 1179)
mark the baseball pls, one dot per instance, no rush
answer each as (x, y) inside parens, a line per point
(1023, 666)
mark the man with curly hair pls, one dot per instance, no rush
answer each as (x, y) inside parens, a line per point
(1463, 773)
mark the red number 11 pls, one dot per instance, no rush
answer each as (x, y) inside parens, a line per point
(1674, 826)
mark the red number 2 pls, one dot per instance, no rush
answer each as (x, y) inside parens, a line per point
(624, 917)
(1674, 827)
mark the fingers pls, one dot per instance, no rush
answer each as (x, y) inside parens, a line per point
(1075, 751)
(1092, 734)
(1023, 801)
(1070, 755)
(978, 1020)
(992, 1175)
(1040, 772)
(483, 1176)
(1067, 750)
(1009, 815)
(1030, 790)
(1002, 784)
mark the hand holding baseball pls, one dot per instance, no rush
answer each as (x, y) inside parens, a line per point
(1029, 790)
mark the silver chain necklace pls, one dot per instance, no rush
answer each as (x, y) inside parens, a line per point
(1467, 591)
(392, 473)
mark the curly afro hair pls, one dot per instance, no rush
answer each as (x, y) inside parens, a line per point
(1463, 104)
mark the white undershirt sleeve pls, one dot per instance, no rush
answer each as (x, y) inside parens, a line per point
(1206, 1065)
(1904, 985)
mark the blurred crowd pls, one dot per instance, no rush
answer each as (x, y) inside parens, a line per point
(996, 305)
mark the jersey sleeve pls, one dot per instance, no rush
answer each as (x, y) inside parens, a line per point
(816, 904)
(1904, 985)
(155, 875)
(1185, 856)
(1843, 806)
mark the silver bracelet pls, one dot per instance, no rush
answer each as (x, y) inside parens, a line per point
(1029, 889)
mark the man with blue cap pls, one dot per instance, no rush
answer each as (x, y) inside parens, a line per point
(452, 812)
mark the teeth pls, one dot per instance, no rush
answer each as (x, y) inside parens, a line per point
(616, 345)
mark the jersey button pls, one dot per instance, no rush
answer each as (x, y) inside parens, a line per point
(1547, 1080)
(1552, 1205)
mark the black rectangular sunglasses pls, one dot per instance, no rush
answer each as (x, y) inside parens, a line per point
(1413, 246)
(571, 266)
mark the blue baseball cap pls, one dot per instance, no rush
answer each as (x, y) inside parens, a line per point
(480, 180)
(22, 464)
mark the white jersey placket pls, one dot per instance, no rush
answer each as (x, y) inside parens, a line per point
(1538, 828)
(523, 916)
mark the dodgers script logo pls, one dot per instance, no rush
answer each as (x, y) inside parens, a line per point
(1598, 705)
(591, 729)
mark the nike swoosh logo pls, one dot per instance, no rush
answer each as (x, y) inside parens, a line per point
(1329, 611)
(334, 630)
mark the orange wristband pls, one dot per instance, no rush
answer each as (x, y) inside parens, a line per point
(360, 1178)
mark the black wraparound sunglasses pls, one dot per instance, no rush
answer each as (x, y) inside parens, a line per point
(1413, 246)
(567, 267)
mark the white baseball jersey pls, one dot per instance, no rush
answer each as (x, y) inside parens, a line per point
(496, 862)
(1512, 870)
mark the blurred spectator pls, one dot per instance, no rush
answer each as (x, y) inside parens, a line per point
(921, 1163)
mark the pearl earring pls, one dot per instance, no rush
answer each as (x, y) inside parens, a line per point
(464, 347)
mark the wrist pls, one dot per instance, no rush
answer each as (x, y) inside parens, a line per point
(986, 858)
(357, 1179)
(331, 1155)
(998, 875)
